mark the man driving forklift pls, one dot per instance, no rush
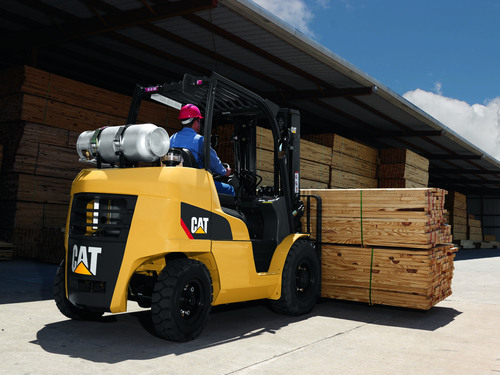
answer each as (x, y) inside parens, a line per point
(189, 138)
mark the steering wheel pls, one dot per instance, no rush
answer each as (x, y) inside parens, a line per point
(221, 178)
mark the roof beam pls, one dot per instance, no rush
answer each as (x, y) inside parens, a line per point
(453, 157)
(405, 133)
(463, 171)
(458, 181)
(322, 93)
(80, 28)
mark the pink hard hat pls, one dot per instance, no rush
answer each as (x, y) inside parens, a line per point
(189, 111)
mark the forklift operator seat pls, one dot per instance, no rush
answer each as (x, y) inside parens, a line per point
(176, 155)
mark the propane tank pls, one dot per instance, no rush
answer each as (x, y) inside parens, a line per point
(137, 143)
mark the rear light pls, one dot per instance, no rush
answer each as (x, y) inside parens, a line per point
(101, 215)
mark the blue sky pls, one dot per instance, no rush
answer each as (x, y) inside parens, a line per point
(442, 55)
(422, 44)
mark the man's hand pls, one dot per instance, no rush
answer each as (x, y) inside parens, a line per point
(228, 172)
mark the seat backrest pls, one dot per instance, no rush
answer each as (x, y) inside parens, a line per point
(187, 156)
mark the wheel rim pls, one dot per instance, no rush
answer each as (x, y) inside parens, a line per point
(191, 300)
(304, 279)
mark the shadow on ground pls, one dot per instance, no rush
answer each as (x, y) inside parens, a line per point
(129, 336)
(466, 254)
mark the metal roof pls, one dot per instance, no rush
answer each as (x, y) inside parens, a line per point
(117, 43)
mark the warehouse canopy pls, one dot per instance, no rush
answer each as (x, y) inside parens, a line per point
(117, 43)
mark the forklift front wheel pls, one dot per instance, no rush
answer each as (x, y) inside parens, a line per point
(181, 300)
(301, 280)
(64, 305)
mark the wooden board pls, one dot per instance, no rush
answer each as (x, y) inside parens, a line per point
(403, 156)
(455, 201)
(353, 164)
(314, 152)
(345, 180)
(399, 183)
(344, 146)
(403, 171)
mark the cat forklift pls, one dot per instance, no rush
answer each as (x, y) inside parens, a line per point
(146, 223)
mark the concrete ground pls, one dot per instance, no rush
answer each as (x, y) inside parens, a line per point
(460, 335)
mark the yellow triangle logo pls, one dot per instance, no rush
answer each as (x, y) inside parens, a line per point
(81, 269)
(199, 231)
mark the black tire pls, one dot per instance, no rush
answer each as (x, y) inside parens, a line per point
(301, 280)
(182, 300)
(64, 305)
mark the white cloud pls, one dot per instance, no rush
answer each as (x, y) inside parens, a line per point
(295, 12)
(478, 123)
(438, 88)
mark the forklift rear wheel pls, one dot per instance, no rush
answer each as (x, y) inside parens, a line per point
(181, 300)
(64, 305)
(301, 281)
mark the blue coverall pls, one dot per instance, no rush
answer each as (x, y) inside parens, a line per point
(188, 138)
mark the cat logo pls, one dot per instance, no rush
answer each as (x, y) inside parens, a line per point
(84, 260)
(199, 225)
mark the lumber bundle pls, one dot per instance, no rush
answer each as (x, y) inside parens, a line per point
(354, 165)
(40, 97)
(326, 160)
(456, 204)
(474, 229)
(383, 217)
(385, 246)
(42, 115)
(402, 168)
(411, 278)
(315, 161)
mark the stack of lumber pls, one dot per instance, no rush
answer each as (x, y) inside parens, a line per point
(403, 254)
(315, 161)
(42, 115)
(353, 164)
(474, 230)
(326, 160)
(401, 277)
(32, 95)
(456, 204)
(402, 168)
(383, 217)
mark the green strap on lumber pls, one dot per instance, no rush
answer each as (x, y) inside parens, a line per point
(362, 244)
(361, 215)
(371, 274)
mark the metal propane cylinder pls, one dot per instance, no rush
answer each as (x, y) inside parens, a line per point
(138, 143)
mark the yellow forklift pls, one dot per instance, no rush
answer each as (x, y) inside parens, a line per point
(162, 236)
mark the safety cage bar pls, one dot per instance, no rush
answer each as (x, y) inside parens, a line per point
(319, 215)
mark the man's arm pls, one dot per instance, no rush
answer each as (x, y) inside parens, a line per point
(216, 165)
